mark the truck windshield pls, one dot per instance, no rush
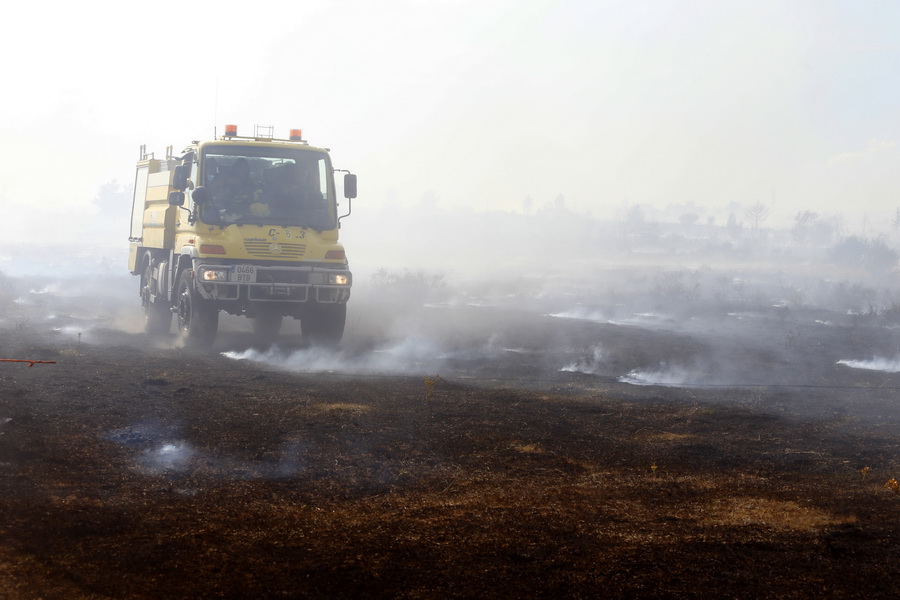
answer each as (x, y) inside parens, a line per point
(267, 185)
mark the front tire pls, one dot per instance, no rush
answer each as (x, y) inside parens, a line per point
(197, 319)
(157, 315)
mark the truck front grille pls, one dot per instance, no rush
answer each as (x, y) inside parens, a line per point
(274, 249)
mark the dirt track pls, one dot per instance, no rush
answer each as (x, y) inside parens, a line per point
(136, 470)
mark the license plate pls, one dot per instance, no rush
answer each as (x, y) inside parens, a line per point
(244, 274)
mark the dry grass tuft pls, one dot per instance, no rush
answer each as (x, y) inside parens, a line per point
(429, 385)
(527, 448)
(668, 436)
(340, 407)
(779, 514)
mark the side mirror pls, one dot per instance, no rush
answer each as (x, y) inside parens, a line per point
(350, 185)
(179, 179)
(176, 198)
(201, 196)
(183, 172)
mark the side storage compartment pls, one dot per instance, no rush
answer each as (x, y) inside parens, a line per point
(159, 216)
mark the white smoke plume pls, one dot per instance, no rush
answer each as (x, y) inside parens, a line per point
(591, 365)
(889, 365)
(583, 314)
(664, 375)
(409, 355)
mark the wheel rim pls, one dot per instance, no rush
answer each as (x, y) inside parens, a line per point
(145, 291)
(184, 310)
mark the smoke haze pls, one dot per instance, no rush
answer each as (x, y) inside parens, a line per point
(483, 106)
(628, 193)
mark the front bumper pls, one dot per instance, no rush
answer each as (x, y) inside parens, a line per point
(255, 283)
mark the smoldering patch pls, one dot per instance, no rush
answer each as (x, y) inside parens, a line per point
(37, 296)
(644, 319)
(664, 375)
(162, 453)
(140, 435)
(745, 315)
(647, 319)
(520, 351)
(581, 314)
(887, 365)
(591, 364)
(175, 457)
(71, 330)
(408, 355)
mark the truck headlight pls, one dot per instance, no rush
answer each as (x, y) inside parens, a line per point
(213, 274)
(338, 279)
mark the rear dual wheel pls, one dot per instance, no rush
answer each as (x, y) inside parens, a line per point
(157, 314)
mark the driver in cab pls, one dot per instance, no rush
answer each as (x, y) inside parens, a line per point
(238, 193)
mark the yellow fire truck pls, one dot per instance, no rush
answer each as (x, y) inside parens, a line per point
(242, 224)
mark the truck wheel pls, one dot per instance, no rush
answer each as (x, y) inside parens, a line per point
(266, 326)
(197, 319)
(324, 324)
(157, 315)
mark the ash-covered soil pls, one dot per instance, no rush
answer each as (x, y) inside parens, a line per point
(483, 452)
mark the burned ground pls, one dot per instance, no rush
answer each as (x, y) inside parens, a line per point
(526, 468)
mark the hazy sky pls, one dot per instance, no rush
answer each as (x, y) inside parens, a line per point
(795, 104)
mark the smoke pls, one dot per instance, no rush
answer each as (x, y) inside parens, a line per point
(532, 299)
(412, 355)
(582, 314)
(664, 375)
(889, 365)
(161, 451)
(591, 365)
(171, 457)
(598, 362)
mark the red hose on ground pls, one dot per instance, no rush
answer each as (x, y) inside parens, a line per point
(31, 362)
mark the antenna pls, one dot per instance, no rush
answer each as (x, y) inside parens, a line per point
(216, 108)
